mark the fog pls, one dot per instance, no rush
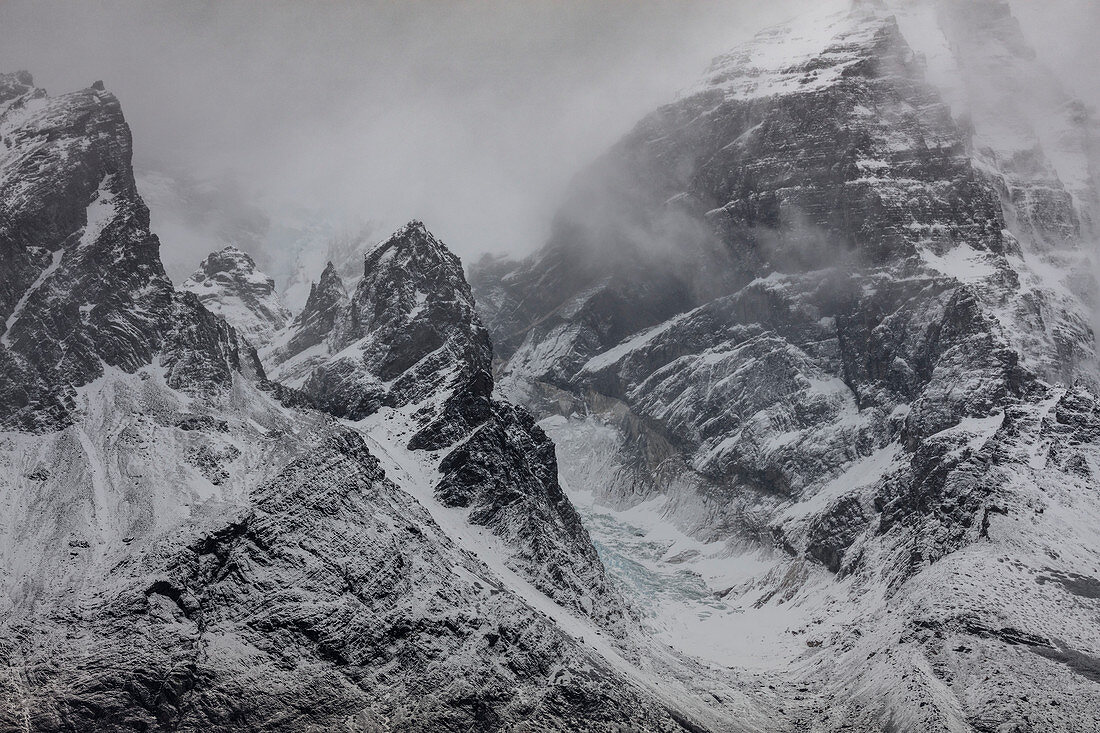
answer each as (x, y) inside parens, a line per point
(472, 116)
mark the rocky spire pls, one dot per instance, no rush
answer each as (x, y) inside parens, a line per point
(408, 334)
(81, 283)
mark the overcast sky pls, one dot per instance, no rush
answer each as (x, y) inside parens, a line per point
(470, 115)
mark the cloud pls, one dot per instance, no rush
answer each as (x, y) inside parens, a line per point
(1063, 34)
(473, 116)
(470, 115)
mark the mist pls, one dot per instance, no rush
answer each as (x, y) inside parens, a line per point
(472, 116)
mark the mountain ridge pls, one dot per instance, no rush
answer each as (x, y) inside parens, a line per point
(189, 545)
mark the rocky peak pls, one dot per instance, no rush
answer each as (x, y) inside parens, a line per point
(327, 303)
(229, 284)
(409, 273)
(861, 389)
(408, 348)
(81, 283)
(408, 334)
(329, 284)
(15, 85)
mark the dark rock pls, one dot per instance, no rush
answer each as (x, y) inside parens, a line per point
(506, 473)
(83, 286)
(409, 333)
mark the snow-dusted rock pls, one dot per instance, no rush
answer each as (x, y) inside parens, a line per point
(303, 590)
(408, 336)
(820, 312)
(407, 346)
(228, 284)
(186, 545)
(82, 284)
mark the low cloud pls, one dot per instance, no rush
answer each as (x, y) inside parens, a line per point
(472, 116)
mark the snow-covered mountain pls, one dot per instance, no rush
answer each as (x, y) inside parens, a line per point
(230, 286)
(792, 425)
(187, 545)
(821, 331)
(408, 345)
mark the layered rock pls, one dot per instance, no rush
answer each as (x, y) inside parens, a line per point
(506, 474)
(824, 320)
(228, 284)
(303, 590)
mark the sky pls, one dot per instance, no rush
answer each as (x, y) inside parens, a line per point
(472, 116)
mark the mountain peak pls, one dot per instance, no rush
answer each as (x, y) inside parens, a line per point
(227, 259)
(15, 84)
(413, 245)
(409, 331)
(230, 285)
(83, 287)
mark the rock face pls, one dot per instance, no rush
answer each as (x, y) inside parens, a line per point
(826, 302)
(506, 474)
(188, 546)
(83, 287)
(329, 599)
(228, 284)
(408, 335)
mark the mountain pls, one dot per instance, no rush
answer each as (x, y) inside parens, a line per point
(230, 286)
(791, 425)
(821, 331)
(407, 351)
(84, 290)
(407, 333)
(187, 545)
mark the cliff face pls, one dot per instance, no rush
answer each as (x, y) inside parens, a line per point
(83, 288)
(821, 309)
